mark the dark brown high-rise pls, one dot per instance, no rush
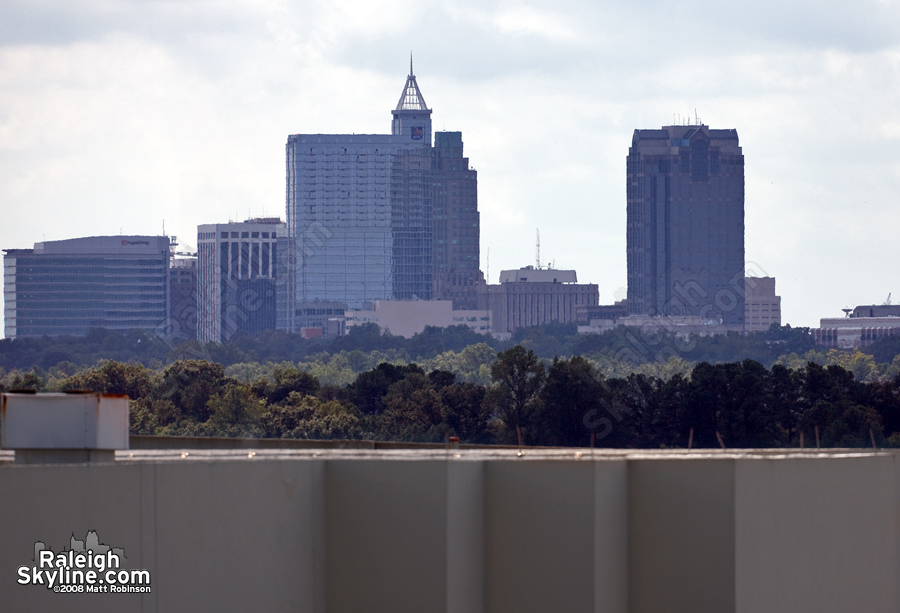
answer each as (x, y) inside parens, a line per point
(685, 227)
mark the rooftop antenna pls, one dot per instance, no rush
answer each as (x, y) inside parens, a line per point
(410, 64)
(537, 251)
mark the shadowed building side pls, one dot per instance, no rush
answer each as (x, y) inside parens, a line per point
(685, 224)
(457, 273)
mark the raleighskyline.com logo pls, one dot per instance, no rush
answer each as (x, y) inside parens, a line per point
(87, 566)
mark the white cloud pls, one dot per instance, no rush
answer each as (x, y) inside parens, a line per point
(122, 114)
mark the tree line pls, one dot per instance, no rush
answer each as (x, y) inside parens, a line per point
(513, 396)
(624, 346)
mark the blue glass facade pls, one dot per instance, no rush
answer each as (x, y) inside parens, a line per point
(68, 287)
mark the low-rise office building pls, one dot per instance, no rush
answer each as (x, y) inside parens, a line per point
(67, 287)
(681, 326)
(862, 327)
(608, 312)
(407, 318)
(531, 296)
(762, 307)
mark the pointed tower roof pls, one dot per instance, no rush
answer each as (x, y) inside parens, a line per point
(411, 99)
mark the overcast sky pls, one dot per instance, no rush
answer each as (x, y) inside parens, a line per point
(117, 116)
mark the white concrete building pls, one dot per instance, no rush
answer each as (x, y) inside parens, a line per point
(852, 332)
(238, 270)
(531, 296)
(407, 318)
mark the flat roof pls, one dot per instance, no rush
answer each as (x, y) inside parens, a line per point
(480, 454)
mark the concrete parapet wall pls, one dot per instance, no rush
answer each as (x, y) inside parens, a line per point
(469, 531)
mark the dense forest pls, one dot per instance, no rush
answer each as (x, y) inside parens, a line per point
(546, 386)
(624, 346)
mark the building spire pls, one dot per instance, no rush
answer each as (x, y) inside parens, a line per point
(412, 117)
(411, 99)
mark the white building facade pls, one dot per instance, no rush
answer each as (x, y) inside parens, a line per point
(239, 268)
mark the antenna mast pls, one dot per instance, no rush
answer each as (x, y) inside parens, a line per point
(537, 251)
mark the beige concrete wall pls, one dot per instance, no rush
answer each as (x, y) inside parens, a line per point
(236, 536)
(407, 318)
(386, 536)
(681, 535)
(214, 535)
(818, 535)
(50, 504)
(556, 536)
(344, 531)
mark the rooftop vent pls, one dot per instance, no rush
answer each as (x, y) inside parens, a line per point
(63, 428)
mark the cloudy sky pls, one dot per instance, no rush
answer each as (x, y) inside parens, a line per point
(118, 116)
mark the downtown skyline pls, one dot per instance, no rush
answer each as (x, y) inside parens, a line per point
(115, 117)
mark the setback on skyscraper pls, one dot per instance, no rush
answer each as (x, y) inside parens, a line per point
(379, 217)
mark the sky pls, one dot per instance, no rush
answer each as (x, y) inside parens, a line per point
(127, 117)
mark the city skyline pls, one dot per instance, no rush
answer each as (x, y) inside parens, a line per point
(115, 118)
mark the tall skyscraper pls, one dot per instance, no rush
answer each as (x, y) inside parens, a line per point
(685, 224)
(363, 211)
(67, 287)
(457, 272)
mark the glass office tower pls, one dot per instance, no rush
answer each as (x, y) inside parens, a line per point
(67, 287)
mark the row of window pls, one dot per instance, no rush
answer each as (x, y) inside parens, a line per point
(43, 261)
(247, 234)
(120, 284)
(106, 271)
